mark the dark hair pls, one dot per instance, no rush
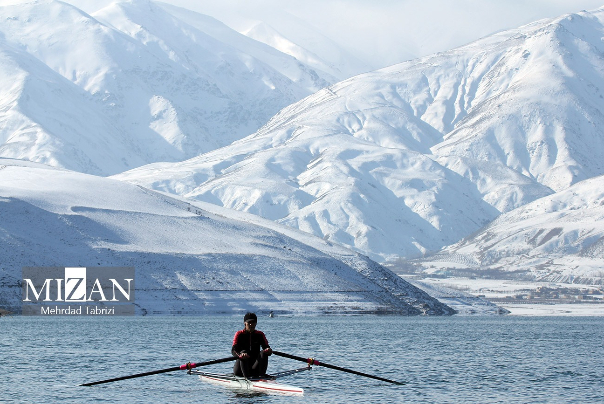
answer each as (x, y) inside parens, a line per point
(250, 316)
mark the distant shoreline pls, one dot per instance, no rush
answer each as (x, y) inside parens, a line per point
(555, 310)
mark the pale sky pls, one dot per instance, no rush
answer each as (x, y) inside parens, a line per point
(379, 32)
(384, 32)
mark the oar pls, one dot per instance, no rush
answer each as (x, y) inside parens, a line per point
(154, 372)
(312, 361)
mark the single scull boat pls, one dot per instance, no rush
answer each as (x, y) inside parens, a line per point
(266, 385)
(263, 385)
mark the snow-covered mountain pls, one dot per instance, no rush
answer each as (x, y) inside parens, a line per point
(189, 257)
(298, 67)
(406, 160)
(287, 28)
(132, 84)
(559, 238)
(327, 55)
(302, 67)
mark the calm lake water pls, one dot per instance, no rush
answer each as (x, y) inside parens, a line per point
(442, 360)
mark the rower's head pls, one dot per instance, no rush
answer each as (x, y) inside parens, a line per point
(249, 321)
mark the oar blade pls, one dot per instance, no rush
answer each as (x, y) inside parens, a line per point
(155, 372)
(312, 361)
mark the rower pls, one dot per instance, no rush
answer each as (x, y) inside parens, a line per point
(252, 362)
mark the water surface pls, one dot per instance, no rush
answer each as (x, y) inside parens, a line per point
(444, 360)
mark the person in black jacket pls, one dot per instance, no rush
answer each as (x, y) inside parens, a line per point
(252, 362)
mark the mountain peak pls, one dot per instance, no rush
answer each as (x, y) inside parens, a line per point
(133, 84)
(406, 159)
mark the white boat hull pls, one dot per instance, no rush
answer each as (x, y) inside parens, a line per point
(259, 385)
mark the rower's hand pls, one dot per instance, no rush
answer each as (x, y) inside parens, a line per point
(244, 355)
(268, 351)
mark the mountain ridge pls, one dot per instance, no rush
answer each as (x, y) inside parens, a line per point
(190, 258)
(450, 141)
(132, 85)
(558, 238)
(399, 162)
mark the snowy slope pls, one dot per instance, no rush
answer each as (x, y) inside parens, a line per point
(328, 56)
(463, 303)
(189, 257)
(406, 160)
(284, 26)
(541, 114)
(132, 84)
(338, 187)
(559, 238)
(302, 66)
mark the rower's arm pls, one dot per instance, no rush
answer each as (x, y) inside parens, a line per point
(264, 341)
(236, 349)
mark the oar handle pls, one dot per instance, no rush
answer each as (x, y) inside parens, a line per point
(186, 366)
(312, 361)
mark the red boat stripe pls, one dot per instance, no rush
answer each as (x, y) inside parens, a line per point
(256, 386)
(218, 380)
(270, 388)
